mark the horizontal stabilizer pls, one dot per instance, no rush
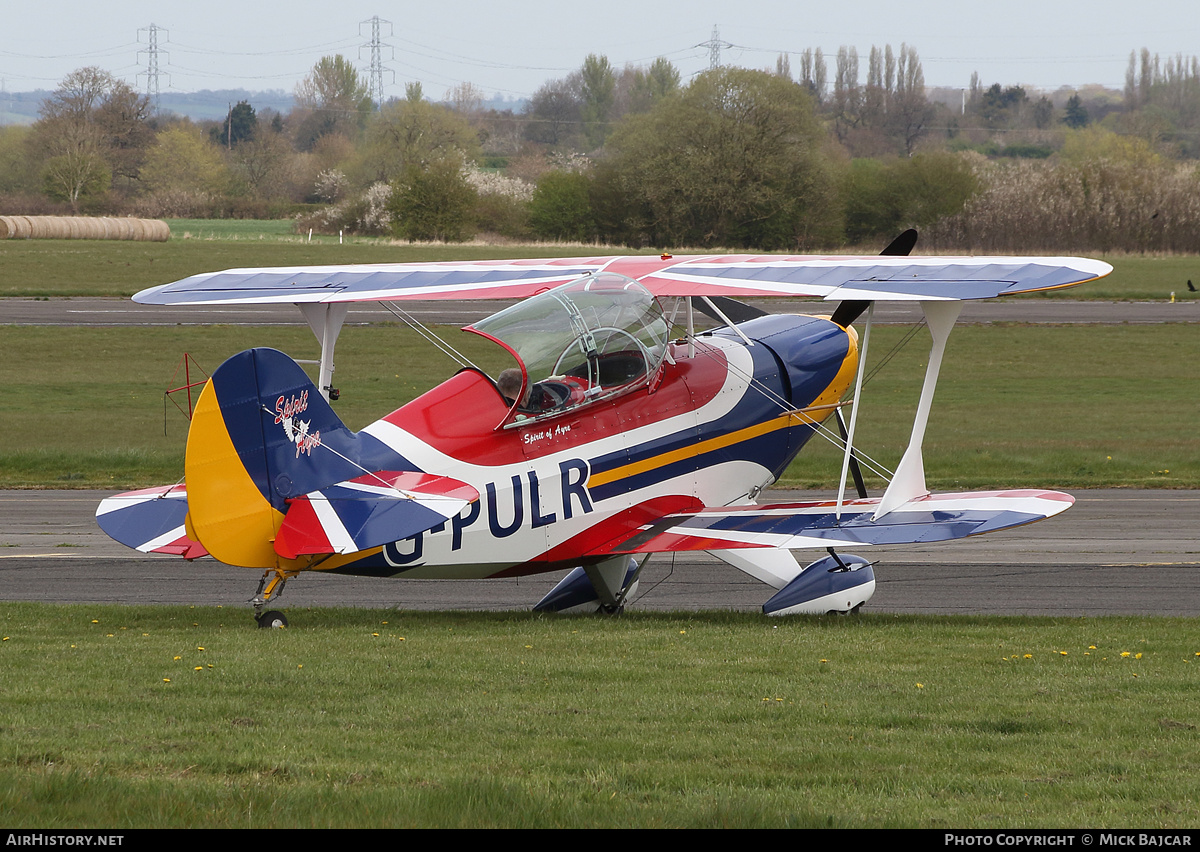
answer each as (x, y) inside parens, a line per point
(150, 520)
(369, 511)
(795, 526)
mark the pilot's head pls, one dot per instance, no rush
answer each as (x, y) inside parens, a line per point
(509, 383)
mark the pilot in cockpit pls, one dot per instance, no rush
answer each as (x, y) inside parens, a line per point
(509, 384)
(539, 397)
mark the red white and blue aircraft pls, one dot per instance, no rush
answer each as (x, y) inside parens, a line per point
(606, 443)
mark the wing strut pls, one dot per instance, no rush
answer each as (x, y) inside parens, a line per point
(909, 481)
(325, 320)
(862, 362)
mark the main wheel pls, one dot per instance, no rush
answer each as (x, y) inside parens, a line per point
(271, 619)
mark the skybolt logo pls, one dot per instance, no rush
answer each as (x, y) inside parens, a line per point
(297, 431)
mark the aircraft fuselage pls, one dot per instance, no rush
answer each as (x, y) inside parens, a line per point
(712, 429)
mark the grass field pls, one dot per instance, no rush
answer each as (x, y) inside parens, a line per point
(1070, 406)
(170, 716)
(42, 268)
(125, 717)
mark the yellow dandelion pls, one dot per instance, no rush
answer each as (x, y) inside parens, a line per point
(374, 634)
(1138, 655)
(199, 647)
(179, 658)
(95, 621)
(920, 686)
(198, 669)
(1029, 656)
(166, 680)
(1091, 647)
(1124, 653)
(5, 639)
(1063, 653)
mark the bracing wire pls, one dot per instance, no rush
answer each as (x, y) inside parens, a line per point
(908, 336)
(420, 329)
(876, 467)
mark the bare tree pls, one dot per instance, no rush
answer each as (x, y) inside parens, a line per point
(331, 99)
(92, 128)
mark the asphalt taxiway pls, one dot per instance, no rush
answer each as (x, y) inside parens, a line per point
(99, 311)
(1130, 552)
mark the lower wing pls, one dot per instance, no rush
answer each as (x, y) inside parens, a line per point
(795, 526)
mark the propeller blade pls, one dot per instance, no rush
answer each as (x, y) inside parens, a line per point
(855, 470)
(847, 312)
(902, 246)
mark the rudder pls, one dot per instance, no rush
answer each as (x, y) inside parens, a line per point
(261, 434)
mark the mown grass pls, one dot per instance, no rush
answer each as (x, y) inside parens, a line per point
(1070, 406)
(175, 716)
(47, 268)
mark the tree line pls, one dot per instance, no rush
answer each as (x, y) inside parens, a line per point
(733, 158)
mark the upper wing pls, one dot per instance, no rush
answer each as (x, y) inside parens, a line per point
(794, 526)
(831, 278)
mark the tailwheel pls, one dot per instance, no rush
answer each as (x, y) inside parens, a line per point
(269, 588)
(271, 620)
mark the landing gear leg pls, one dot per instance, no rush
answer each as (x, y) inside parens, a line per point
(602, 588)
(269, 588)
(614, 581)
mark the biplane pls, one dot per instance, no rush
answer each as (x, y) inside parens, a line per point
(620, 431)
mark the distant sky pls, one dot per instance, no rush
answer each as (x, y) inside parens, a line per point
(512, 48)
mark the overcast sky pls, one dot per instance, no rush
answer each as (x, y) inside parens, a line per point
(512, 48)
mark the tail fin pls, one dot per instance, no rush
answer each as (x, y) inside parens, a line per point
(261, 434)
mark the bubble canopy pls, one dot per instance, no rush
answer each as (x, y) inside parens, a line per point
(590, 339)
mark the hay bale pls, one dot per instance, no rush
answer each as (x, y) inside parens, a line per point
(122, 229)
(83, 228)
(160, 231)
